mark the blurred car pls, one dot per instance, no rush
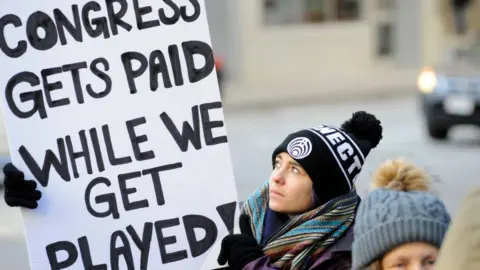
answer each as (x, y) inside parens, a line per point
(219, 66)
(450, 91)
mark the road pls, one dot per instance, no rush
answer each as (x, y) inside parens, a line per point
(253, 135)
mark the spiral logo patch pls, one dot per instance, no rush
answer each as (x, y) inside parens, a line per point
(299, 148)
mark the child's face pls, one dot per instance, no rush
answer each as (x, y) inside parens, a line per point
(411, 256)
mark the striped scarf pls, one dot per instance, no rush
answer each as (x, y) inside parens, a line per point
(302, 239)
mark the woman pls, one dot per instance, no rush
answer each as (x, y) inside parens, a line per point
(401, 224)
(301, 218)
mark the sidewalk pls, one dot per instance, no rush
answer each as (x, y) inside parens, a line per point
(239, 97)
(369, 86)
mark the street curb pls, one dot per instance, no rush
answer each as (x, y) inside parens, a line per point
(230, 104)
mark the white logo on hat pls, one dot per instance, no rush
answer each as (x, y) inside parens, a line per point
(299, 147)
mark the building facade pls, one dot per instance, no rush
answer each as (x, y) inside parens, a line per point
(292, 48)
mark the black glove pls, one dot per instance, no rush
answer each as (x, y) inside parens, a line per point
(240, 249)
(18, 191)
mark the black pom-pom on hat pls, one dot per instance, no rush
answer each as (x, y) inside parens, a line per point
(364, 126)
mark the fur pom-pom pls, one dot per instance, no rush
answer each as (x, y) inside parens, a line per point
(401, 175)
(364, 126)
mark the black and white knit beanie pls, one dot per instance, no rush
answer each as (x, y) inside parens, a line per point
(333, 157)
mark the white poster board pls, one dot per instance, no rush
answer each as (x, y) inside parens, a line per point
(114, 108)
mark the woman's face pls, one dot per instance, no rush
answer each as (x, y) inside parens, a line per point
(290, 187)
(411, 256)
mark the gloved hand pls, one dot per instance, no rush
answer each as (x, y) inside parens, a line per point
(240, 249)
(18, 191)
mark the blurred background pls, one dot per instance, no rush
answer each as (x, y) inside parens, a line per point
(284, 65)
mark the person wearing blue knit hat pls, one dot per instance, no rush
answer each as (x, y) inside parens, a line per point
(401, 224)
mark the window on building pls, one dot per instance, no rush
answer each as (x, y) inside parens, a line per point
(384, 39)
(385, 4)
(310, 11)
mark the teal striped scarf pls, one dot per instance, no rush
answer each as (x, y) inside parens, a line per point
(302, 239)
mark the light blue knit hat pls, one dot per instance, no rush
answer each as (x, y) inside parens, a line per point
(400, 210)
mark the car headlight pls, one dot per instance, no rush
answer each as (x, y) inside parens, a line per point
(427, 80)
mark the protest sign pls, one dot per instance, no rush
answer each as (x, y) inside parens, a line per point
(113, 107)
